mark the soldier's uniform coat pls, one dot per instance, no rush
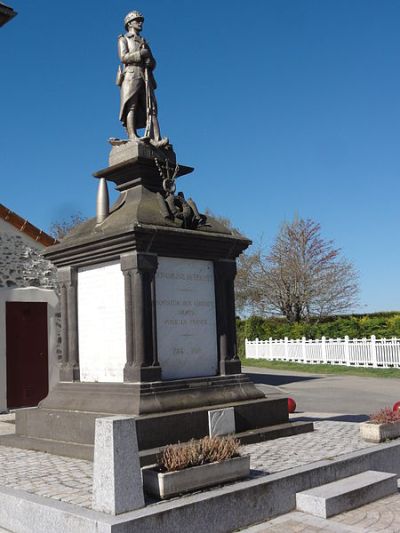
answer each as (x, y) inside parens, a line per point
(133, 78)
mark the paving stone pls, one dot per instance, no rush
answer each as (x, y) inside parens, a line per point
(57, 477)
(329, 440)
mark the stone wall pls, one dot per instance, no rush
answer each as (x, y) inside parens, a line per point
(21, 265)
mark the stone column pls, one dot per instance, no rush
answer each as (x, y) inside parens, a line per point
(224, 273)
(141, 344)
(69, 370)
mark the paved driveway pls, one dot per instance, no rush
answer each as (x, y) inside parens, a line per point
(352, 395)
(323, 396)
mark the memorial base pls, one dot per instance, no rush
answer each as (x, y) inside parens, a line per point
(150, 398)
(71, 433)
(166, 412)
(148, 321)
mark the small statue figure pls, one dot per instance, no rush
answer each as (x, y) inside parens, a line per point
(175, 206)
(185, 210)
(137, 83)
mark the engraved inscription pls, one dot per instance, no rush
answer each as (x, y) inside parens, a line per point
(186, 326)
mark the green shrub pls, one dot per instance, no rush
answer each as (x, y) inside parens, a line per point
(385, 324)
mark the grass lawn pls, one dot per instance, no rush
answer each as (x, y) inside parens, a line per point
(324, 369)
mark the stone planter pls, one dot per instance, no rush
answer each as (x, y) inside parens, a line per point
(168, 484)
(379, 432)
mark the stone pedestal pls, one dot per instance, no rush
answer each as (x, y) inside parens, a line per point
(117, 480)
(148, 319)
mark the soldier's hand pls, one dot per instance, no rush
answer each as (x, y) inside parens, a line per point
(144, 54)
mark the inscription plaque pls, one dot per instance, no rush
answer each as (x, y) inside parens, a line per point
(186, 323)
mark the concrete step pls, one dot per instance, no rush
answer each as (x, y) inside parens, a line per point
(346, 494)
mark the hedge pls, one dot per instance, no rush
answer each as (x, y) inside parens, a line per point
(356, 326)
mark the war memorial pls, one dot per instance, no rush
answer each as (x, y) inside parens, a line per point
(149, 342)
(147, 299)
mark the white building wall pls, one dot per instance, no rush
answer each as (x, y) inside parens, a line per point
(31, 294)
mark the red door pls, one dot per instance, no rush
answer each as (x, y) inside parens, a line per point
(27, 353)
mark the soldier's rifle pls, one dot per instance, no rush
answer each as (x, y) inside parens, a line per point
(149, 103)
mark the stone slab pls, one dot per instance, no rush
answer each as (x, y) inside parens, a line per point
(123, 152)
(186, 319)
(220, 510)
(148, 456)
(132, 163)
(154, 429)
(117, 480)
(101, 323)
(152, 397)
(21, 512)
(276, 431)
(56, 447)
(346, 494)
(221, 422)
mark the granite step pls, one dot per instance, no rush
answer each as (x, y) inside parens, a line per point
(275, 431)
(346, 494)
(147, 456)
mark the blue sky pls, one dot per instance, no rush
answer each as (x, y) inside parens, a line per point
(283, 107)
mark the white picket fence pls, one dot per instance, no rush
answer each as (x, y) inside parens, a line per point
(373, 352)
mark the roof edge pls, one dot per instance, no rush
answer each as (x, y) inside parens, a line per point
(24, 226)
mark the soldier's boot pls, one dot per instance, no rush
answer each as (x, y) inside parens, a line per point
(130, 125)
(158, 141)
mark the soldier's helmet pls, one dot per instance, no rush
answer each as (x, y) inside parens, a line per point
(132, 15)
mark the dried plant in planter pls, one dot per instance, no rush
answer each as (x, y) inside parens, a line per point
(197, 452)
(385, 416)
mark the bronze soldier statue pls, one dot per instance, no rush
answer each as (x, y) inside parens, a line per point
(135, 77)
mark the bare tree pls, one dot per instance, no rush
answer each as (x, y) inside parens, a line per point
(60, 228)
(225, 221)
(302, 276)
(247, 283)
